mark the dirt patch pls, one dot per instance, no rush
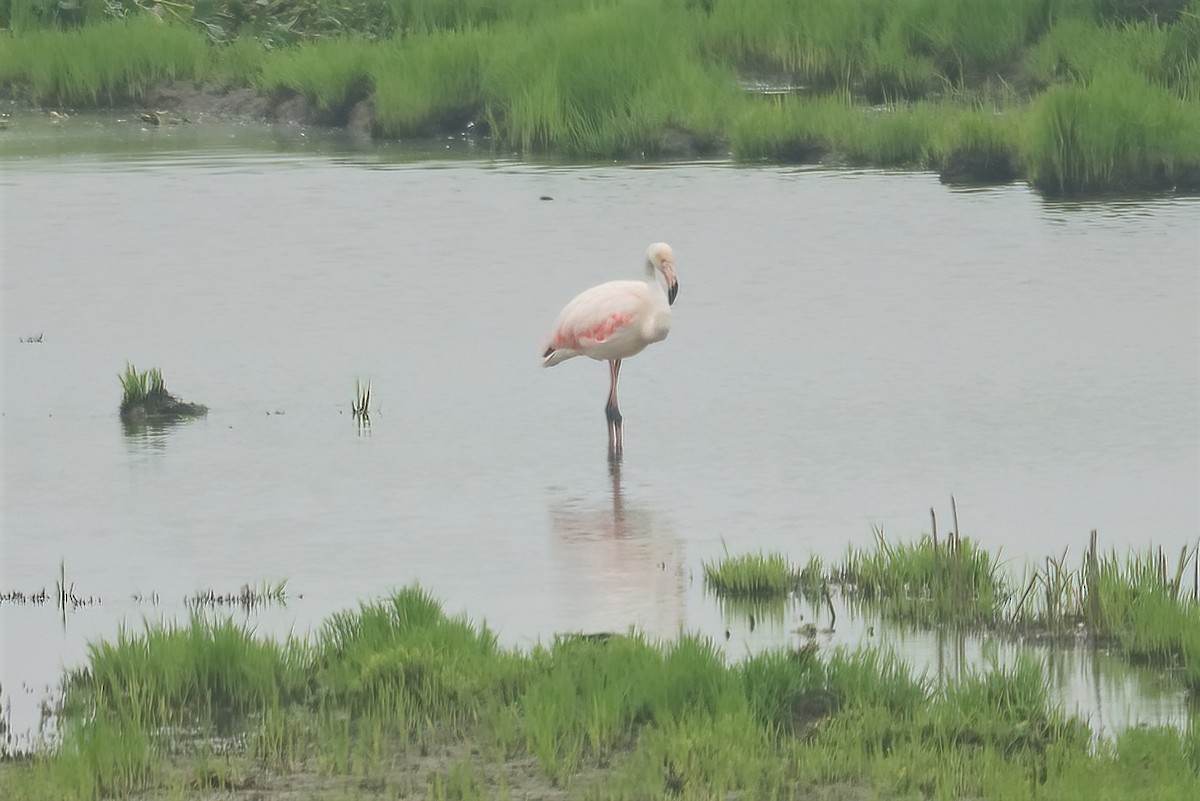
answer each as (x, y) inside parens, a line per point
(189, 102)
(450, 771)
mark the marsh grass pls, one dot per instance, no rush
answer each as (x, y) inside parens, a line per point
(430, 83)
(138, 388)
(1117, 129)
(144, 397)
(926, 582)
(1095, 95)
(1138, 604)
(605, 80)
(102, 64)
(333, 74)
(750, 576)
(208, 705)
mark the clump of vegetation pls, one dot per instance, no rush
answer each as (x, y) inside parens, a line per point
(926, 582)
(402, 699)
(145, 398)
(761, 575)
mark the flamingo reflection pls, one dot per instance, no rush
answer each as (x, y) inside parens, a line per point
(622, 565)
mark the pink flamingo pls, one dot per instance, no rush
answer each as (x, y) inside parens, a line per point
(614, 321)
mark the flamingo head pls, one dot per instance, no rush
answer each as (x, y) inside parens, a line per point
(660, 257)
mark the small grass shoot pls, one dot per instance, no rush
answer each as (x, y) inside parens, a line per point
(362, 402)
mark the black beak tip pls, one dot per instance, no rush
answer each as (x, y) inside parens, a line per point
(671, 293)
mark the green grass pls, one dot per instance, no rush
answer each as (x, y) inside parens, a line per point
(762, 575)
(209, 705)
(102, 64)
(430, 83)
(602, 81)
(1077, 96)
(926, 582)
(137, 388)
(1115, 130)
(332, 74)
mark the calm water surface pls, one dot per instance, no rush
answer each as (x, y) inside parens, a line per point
(849, 349)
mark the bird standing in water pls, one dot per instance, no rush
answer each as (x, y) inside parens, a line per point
(614, 321)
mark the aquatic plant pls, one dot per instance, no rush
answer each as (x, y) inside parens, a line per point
(145, 397)
(361, 407)
(927, 581)
(137, 387)
(750, 575)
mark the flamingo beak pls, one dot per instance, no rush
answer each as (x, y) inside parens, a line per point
(668, 271)
(672, 291)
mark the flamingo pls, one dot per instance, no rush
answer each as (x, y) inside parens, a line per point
(616, 320)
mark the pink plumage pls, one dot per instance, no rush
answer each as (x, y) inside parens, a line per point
(614, 321)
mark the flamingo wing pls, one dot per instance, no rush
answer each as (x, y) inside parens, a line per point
(604, 322)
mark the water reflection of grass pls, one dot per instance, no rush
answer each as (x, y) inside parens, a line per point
(395, 699)
(1136, 603)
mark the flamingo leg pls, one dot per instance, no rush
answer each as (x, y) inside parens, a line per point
(611, 411)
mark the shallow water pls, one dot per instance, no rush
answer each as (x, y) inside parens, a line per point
(849, 349)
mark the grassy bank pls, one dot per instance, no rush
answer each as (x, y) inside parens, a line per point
(1075, 95)
(397, 700)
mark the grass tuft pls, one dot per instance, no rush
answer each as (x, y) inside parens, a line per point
(138, 388)
(759, 575)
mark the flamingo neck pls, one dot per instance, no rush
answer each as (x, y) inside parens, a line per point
(652, 278)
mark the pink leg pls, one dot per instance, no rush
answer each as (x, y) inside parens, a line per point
(611, 410)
